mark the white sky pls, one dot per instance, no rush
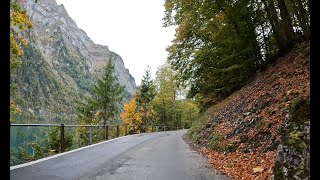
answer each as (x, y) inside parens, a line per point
(131, 28)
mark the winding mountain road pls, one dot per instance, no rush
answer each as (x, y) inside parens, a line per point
(154, 156)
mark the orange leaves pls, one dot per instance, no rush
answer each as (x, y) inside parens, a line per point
(13, 110)
(130, 115)
(224, 128)
(240, 165)
(252, 117)
(12, 106)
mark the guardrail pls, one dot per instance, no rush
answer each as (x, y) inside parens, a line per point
(154, 128)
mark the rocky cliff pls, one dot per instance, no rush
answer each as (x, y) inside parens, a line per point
(59, 65)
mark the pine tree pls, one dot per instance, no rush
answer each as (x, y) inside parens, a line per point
(145, 95)
(107, 95)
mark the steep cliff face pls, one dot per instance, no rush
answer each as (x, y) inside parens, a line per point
(60, 63)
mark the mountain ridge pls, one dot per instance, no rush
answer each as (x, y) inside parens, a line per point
(60, 63)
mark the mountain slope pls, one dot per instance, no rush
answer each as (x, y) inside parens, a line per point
(59, 65)
(262, 130)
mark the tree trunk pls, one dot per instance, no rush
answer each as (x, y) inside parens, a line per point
(308, 4)
(105, 120)
(297, 13)
(274, 15)
(273, 18)
(304, 19)
(105, 117)
(285, 25)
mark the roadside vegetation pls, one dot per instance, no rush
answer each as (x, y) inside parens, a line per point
(246, 63)
(237, 76)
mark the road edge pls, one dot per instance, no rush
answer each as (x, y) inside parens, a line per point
(197, 147)
(68, 152)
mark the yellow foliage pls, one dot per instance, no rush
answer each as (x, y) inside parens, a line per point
(130, 115)
(97, 113)
(13, 110)
(19, 19)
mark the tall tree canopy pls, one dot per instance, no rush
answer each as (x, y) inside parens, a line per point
(220, 44)
(164, 103)
(167, 85)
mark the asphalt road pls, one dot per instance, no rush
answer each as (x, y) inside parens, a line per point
(152, 156)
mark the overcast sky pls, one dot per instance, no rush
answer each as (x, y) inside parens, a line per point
(131, 28)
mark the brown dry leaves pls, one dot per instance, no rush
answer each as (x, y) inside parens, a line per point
(264, 100)
(242, 166)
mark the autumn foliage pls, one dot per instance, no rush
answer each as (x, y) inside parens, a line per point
(242, 166)
(252, 118)
(19, 22)
(130, 115)
(19, 19)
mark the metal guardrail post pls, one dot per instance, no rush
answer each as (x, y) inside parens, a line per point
(118, 131)
(107, 132)
(90, 135)
(62, 137)
(164, 128)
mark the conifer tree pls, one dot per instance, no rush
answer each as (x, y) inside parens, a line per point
(107, 95)
(145, 95)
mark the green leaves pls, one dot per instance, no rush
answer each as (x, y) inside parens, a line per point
(144, 96)
(215, 45)
(106, 98)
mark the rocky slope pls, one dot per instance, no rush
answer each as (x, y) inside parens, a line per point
(60, 63)
(262, 131)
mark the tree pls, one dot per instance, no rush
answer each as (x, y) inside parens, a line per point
(19, 22)
(166, 97)
(131, 116)
(301, 13)
(220, 44)
(215, 49)
(285, 25)
(106, 98)
(166, 83)
(189, 113)
(144, 96)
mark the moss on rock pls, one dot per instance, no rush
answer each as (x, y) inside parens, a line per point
(293, 154)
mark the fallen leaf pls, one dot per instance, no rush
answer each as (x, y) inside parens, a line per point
(257, 169)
